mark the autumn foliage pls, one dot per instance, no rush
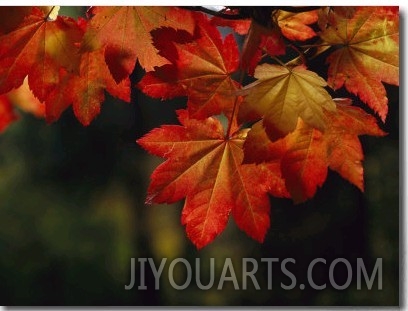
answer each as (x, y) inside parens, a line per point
(258, 120)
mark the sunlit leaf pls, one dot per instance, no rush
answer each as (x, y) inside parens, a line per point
(367, 53)
(283, 94)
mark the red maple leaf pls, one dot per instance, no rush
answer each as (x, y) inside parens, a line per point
(204, 166)
(201, 69)
(58, 75)
(85, 90)
(125, 31)
(38, 47)
(90, 85)
(308, 153)
(47, 51)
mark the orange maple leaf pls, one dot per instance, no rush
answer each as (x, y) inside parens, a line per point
(204, 165)
(308, 152)
(38, 47)
(125, 31)
(294, 26)
(47, 52)
(90, 85)
(201, 69)
(367, 53)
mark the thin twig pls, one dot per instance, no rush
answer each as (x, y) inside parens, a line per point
(215, 13)
(49, 13)
(234, 109)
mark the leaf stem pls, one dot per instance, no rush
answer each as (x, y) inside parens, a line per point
(301, 54)
(235, 108)
(307, 46)
(278, 61)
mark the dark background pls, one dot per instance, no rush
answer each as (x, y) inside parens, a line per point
(72, 215)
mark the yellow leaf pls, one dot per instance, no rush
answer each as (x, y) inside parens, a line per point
(283, 94)
(367, 53)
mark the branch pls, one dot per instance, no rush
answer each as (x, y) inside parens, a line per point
(221, 13)
(248, 12)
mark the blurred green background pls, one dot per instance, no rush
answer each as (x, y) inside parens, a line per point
(72, 215)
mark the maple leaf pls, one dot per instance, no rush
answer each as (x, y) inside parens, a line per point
(200, 69)
(308, 153)
(283, 94)
(294, 26)
(367, 53)
(85, 91)
(204, 165)
(125, 31)
(38, 47)
(90, 85)
(58, 75)
(58, 99)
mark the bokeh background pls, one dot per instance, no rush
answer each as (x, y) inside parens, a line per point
(73, 215)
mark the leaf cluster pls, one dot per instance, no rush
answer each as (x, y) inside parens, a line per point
(284, 129)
